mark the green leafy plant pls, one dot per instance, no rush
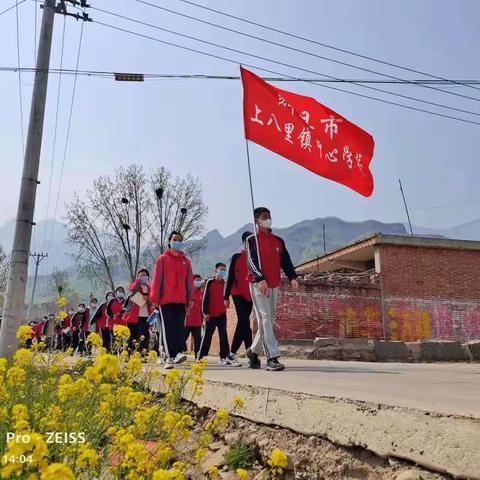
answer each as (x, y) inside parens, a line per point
(239, 455)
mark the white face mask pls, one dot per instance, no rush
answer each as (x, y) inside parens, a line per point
(120, 295)
(266, 223)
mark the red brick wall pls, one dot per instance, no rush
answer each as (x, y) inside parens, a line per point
(431, 293)
(323, 310)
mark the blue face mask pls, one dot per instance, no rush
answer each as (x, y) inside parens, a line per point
(221, 274)
(177, 245)
(197, 283)
(144, 280)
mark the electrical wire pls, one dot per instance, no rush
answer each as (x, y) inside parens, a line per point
(67, 137)
(35, 37)
(236, 62)
(166, 76)
(190, 76)
(298, 50)
(52, 161)
(12, 7)
(20, 90)
(190, 37)
(326, 45)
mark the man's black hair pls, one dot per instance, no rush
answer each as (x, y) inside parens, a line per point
(220, 264)
(109, 293)
(245, 235)
(92, 299)
(142, 270)
(259, 210)
(121, 288)
(196, 275)
(175, 232)
(82, 305)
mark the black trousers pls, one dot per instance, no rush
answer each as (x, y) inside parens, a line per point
(75, 341)
(67, 341)
(139, 333)
(243, 331)
(106, 339)
(197, 337)
(172, 336)
(211, 325)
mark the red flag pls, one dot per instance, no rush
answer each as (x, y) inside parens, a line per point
(308, 133)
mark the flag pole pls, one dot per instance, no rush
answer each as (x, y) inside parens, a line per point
(253, 201)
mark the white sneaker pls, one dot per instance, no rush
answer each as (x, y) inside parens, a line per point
(232, 359)
(169, 364)
(180, 358)
(224, 361)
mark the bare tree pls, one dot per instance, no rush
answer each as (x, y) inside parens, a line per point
(178, 205)
(122, 203)
(126, 218)
(94, 247)
(60, 285)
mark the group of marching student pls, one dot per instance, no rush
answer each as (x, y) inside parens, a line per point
(164, 313)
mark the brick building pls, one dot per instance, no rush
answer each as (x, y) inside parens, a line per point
(387, 286)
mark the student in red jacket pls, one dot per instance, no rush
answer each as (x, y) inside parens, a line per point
(100, 320)
(265, 276)
(136, 316)
(194, 320)
(239, 288)
(215, 316)
(172, 292)
(115, 308)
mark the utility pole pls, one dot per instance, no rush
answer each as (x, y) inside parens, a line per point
(406, 208)
(324, 240)
(14, 309)
(37, 258)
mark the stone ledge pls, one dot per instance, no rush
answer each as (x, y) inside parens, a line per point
(442, 443)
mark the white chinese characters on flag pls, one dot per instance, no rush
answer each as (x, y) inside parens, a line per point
(308, 133)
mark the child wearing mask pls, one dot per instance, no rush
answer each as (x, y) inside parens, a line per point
(215, 316)
(172, 292)
(238, 287)
(101, 322)
(115, 308)
(136, 316)
(267, 256)
(194, 320)
(66, 324)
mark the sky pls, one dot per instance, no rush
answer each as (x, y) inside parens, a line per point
(196, 125)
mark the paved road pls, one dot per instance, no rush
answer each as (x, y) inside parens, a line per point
(451, 388)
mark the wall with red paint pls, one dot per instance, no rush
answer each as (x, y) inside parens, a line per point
(428, 293)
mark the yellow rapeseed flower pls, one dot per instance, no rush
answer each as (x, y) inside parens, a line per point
(200, 454)
(57, 471)
(22, 357)
(92, 374)
(152, 356)
(238, 402)
(108, 365)
(87, 458)
(121, 332)
(62, 301)
(16, 376)
(278, 461)
(95, 340)
(213, 473)
(242, 474)
(133, 366)
(24, 333)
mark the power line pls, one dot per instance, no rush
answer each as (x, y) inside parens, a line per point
(68, 135)
(12, 7)
(236, 62)
(326, 45)
(20, 78)
(217, 45)
(54, 135)
(35, 37)
(200, 76)
(223, 27)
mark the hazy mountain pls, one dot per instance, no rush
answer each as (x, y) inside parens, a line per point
(304, 239)
(44, 234)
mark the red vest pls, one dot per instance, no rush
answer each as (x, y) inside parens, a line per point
(216, 305)
(240, 286)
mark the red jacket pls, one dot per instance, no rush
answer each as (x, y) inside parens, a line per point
(237, 282)
(132, 311)
(213, 303)
(115, 313)
(100, 317)
(194, 315)
(172, 279)
(273, 257)
(80, 321)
